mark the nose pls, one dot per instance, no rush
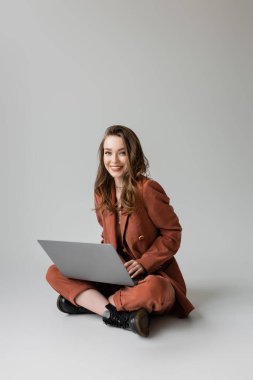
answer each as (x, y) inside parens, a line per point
(115, 158)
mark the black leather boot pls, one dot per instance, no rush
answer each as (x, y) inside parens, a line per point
(136, 321)
(67, 307)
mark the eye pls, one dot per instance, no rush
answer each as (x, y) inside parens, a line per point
(123, 153)
(106, 153)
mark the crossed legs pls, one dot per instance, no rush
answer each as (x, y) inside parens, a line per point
(154, 293)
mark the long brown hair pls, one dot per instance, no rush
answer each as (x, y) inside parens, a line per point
(137, 171)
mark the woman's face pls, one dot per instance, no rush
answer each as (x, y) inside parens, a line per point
(115, 156)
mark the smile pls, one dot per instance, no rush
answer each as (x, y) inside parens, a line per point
(116, 167)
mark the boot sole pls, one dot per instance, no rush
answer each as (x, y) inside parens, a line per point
(142, 323)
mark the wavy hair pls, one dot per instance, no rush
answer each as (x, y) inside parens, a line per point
(137, 171)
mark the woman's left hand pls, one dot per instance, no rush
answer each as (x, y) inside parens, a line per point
(134, 269)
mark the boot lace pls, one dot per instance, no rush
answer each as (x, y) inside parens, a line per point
(117, 318)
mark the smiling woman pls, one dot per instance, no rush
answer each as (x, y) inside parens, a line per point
(146, 237)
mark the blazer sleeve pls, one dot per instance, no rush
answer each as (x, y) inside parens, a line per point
(98, 215)
(162, 215)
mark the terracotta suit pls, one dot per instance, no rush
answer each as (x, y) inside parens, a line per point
(151, 236)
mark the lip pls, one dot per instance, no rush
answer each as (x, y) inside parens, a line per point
(116, 168)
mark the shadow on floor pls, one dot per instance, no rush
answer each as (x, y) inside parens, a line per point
(198, 297)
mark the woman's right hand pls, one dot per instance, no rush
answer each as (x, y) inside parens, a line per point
(134, 268)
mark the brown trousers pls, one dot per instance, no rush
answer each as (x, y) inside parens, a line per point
(153, 293)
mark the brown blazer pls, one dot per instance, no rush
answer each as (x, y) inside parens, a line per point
(152, 234)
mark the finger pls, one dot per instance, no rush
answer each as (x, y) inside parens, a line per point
(133, 267)
(136, 273)
(130, 267)
(140, 270)
(128, 263)
(132, 270)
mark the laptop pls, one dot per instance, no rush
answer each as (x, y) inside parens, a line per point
(88, 261)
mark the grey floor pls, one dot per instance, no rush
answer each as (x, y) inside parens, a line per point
(37, 340)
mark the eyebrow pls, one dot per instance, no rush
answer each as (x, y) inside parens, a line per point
(118, 149)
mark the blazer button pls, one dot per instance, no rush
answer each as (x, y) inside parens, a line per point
(141, 237)
(124, 250)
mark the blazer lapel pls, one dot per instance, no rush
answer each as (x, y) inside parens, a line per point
(111, 222)
(123, 223)
(123, 218)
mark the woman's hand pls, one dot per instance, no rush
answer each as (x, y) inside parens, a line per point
(134, 269)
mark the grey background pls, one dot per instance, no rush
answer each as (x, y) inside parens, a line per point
(179, 73)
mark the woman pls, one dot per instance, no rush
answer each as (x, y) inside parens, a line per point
(138, 220)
